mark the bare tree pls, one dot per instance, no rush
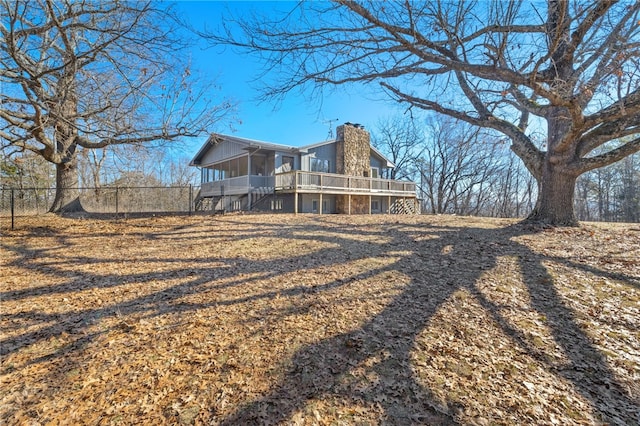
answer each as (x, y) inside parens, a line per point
(180, 174)
(90, 74)
(400, 139)
(27, 171)
(457, 167)
(611, 193)
(512, 189)
(568, 67)
(629, 195)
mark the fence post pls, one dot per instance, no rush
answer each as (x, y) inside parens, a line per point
(190, 198)
(12, 202)
(117, 201)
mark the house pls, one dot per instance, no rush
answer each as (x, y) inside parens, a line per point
(344, 175)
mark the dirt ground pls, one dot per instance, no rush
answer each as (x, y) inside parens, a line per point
(308, 319)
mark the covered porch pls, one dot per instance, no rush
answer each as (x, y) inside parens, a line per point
(237, 185)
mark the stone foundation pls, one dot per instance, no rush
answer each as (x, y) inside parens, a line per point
(359, 204)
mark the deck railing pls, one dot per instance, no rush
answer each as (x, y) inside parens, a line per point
(311, 182)
(236, 185)
(330, 182)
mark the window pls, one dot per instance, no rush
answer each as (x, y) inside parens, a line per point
(243, 166)
(258, 165)
(319, 165)
(205, 175)
(223, 170)
(375, 205)
(276, 204)
(233, 167)
(287, 163)
(316, 203)
(375, 172)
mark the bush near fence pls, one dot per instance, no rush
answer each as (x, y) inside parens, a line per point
(107, 200)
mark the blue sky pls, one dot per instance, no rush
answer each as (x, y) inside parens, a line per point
(295, 121)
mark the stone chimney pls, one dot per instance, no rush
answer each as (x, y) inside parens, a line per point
(353, 153)
(352, 150)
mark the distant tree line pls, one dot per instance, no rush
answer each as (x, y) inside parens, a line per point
(465, 170)
(611, 194)
(111, 180)
(108, 167)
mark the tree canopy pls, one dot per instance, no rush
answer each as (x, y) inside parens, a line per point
(86, 75)
(560, 79)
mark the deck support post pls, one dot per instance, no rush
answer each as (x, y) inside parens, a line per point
(369, 203)
(320, 206)
(349, 205)
(295, 192)
(388, 204)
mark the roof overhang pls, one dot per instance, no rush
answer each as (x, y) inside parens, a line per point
(250, 145)
(381, 156)
(212, 140)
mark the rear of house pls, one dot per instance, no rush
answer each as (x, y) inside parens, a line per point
(345, 175)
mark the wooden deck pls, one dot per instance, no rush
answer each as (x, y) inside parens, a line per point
(309, 182)
(330, 183)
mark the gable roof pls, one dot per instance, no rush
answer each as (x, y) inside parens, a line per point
(374, 151)
(390, 164)
(217, 138)
(317, 144)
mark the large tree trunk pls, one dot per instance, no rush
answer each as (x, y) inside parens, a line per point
(555, 197)
(67, 195)
(556, 178)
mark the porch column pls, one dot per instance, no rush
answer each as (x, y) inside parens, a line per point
(320, 201)
(295, 192)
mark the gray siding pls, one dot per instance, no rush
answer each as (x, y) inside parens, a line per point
(323, 152)
(376, 162)
(222, 151)
(278, 160)
(329, 201)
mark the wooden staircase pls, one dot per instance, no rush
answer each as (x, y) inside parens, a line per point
(208, 204)
(259, 197)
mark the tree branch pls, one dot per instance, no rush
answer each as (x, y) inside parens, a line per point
(521, 144)
(590, 163)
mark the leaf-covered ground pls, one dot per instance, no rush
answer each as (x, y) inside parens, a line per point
(282, 319)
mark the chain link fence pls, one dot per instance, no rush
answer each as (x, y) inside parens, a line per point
(104, 200)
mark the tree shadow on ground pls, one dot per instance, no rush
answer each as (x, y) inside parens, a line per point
(452, 261)
(439, 261)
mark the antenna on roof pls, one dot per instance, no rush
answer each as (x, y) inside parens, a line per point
(330, 136)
